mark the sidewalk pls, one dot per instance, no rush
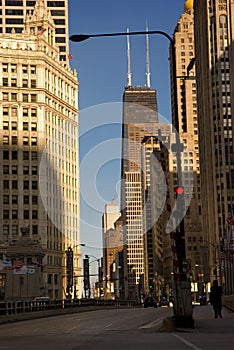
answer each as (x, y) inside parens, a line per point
(205, 322)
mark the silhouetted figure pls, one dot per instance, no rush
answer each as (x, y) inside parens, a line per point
(216, 298)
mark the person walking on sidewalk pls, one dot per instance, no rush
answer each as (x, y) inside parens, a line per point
(216, 298)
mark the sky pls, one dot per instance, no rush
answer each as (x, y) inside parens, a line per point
(101, 64)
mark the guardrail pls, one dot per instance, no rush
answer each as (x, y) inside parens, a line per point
(26, 306)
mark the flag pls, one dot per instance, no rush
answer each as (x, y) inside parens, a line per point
(230, 221)
(70, 56)
(15, 264)
(41, 31)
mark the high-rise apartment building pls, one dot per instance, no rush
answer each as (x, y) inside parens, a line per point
(140, 118)
(39, 165)
(13, 12)
(214, 37)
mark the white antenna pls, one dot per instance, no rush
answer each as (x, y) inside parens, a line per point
(147, 59)
(129, 61)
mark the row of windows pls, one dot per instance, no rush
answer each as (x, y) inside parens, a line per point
(7, 111)
(26, 125)
(13, 214)
(14, 229)
(26, 142)
(26, 154)
(14, 184)
(14, 170)
(14, 83)
(14, 199)
(12, 68)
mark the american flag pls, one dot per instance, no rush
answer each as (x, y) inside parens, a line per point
(15, 264)
(70, 56)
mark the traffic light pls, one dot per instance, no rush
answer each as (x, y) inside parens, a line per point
(179, 190)
(151, 284)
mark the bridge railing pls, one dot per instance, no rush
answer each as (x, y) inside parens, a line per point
(13, 307)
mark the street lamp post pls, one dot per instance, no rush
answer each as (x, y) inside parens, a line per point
(182, 311)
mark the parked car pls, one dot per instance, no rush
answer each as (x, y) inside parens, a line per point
(163, 302)
(150, 301)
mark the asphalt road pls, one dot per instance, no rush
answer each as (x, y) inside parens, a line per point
(138, 329)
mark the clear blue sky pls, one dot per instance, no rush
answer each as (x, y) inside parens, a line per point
(102, 72)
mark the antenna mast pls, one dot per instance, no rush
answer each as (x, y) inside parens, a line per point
(129, 61)
(147, 59)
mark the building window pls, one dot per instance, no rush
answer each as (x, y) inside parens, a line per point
(34, 170)
(5, 67)
(5, 81)
(5, 96)
(25, 69)
(6, 184)
(34, 229)
(13, 82)
(26, 185)
(49, 281)
(6, 140)
(14, 140)
(5, 169)
(33, 69)
(34, 185)
(14, 155)
(6, 214)
(25, 97)
(33, 112)
(25, 140)
(5, 154)
(26, 170)
(25, 83)
(14, 199)
(13, 125)
(14, 229)
(34, 155)
(5, 111)
(33, 84)
(6, 229)
(26, 199)
(14, 214)
(34, 126)
(34, 200)
(34, 214)
(5, 125)
(25, 126)
(25, 155)
(33, 98)
(34, 141)
(14, 184)
(26, 214)
(5, 199)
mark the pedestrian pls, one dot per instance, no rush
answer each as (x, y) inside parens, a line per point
(216, 299)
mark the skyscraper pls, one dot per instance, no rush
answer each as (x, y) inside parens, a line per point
(39, 167)
(214, 37)
(13, 13)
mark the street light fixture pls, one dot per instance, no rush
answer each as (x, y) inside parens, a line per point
(183, 314)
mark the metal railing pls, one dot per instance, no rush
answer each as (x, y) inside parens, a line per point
(28, 306)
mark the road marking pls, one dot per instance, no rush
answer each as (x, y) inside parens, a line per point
(108, 325)
(151, 324)
(186, 342)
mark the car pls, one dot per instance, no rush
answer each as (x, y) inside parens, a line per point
(150, 302)
(163, 302)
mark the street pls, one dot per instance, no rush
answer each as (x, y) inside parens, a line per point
(136, 328)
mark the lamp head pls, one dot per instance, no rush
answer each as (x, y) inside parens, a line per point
(79, 37)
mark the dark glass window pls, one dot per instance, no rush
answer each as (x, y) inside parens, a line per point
(14, 21)
(60, 40)
(13, 3)
(26, 199)
(55, 3)
(12, 12)
(59, 21)
(57, 13)
(60, 31)
(30, 3)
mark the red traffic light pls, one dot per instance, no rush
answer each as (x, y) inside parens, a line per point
(179, 190)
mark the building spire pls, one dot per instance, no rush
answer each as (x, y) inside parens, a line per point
(129, 83)
(147, 59)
